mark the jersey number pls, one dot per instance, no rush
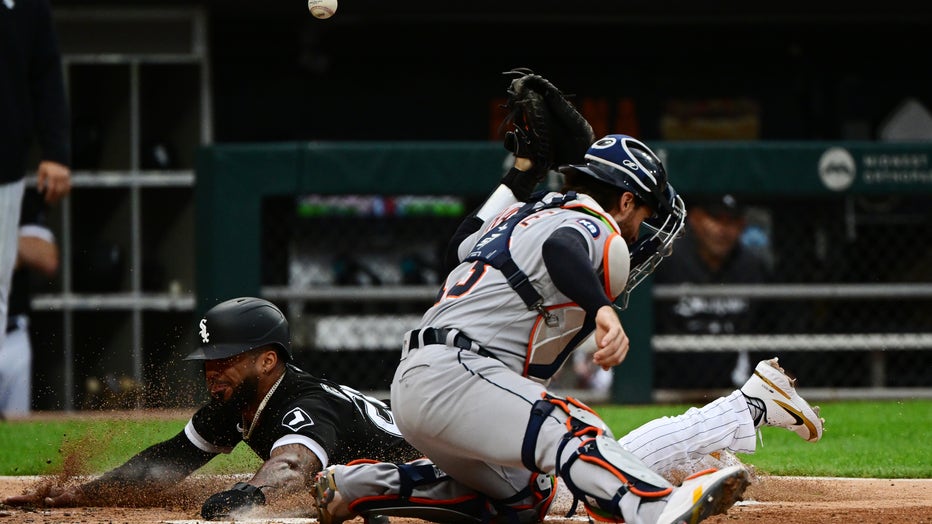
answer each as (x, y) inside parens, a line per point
(462, 287)
(373, 409)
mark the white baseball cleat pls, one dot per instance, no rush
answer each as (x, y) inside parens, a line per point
(783, 407)
(704, 494)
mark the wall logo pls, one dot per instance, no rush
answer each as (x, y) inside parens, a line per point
(205, 336)
(837, 169)
(296, 419)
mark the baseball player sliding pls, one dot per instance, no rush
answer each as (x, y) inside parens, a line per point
(536, 279)
(296, 422)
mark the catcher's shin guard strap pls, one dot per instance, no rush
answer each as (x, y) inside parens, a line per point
(579, 420)
(596, 452)
(539, 412)
(607, 454)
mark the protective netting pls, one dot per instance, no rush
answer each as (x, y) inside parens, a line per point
(848, 303)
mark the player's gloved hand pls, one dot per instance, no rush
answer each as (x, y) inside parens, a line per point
(242, 496)
(52, 497)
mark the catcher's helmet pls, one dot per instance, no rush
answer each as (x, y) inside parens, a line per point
(239, 325)
(628, 164)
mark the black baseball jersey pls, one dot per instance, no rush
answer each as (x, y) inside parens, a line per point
(707, 315)
(337, 423)
(33, 216)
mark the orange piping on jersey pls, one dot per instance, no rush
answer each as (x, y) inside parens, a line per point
(604, 217)
(361, 461)
(606, 267)
(530, 338)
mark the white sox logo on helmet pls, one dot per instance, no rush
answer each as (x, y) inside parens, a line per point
(205, 336)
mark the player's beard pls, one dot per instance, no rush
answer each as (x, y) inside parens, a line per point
(243, 394)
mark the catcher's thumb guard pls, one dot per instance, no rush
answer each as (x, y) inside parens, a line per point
(517, 142)
(242, 496)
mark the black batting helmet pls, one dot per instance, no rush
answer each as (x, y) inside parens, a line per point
(240, 325)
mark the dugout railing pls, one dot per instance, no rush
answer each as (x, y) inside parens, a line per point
(236, 183)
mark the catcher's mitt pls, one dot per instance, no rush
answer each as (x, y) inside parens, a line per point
(547, 127)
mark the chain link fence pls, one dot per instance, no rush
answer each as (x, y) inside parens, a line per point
(848, 306)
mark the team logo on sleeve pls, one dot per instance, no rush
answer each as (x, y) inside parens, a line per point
(296, 419)
(590, 226)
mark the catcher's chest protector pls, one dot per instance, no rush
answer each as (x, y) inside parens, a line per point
(559, 327)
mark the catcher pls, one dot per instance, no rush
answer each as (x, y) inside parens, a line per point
(535, 277)
(296, 422)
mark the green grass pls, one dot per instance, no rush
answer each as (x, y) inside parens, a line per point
(882, 439)
(862, 439)
(92, 446)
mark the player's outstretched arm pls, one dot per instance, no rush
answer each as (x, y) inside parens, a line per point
(290, 469)
(156, 467)
(53, 497)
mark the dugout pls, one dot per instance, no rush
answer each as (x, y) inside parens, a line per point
(850, 228)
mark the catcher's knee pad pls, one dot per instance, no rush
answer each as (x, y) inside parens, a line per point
(588, 469)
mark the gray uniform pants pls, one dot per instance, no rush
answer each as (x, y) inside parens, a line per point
(469, 415)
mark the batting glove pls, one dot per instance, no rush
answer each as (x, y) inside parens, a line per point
(242, 496)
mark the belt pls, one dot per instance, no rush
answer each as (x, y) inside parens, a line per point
(449, 337)
(15, 322)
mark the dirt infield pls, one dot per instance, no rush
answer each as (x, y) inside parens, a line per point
(776, 500)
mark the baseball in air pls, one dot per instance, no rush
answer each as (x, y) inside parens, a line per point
(322, 8)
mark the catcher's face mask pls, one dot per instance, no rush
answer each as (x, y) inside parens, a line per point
(627, 163)
(655, 242)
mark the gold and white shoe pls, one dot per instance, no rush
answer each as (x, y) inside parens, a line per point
(783, 407)
(707, 493)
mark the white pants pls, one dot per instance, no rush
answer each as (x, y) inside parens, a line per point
(11, 201)
(674, 446)
(16, 369)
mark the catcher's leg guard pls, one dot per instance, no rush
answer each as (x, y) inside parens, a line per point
(596, 462)
(418, 489)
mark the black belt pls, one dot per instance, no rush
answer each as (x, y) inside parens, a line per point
(12, 323)
(439, 336)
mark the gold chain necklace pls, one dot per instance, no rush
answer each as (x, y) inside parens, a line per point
(252, 425)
